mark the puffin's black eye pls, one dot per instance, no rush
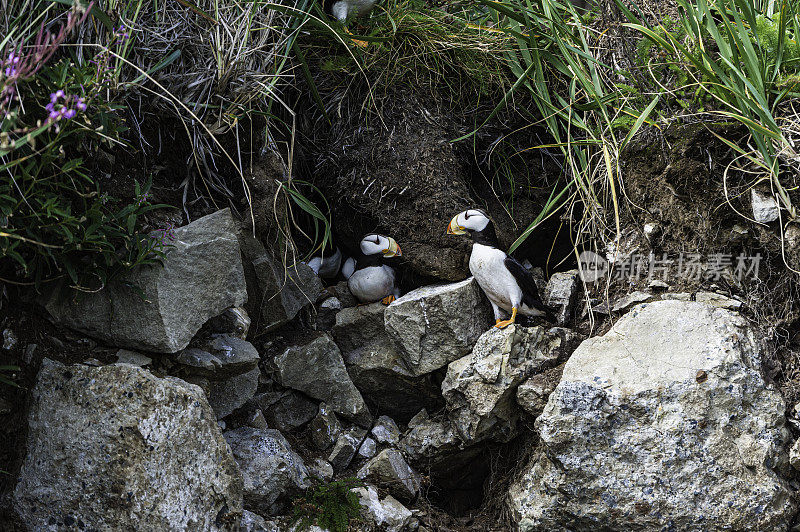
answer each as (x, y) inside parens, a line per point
(377, 239)
(466, 215)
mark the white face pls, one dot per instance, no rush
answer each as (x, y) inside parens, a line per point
(374, 244)
(469, 220)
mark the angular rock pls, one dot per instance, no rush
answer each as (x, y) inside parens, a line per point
(794, 455)
(273, 473)
(324, 428)
(290, 411)
(533, 393)
(235, 355)
(629, 300)
(201, 276)
(227, 395)
(120, 449)
(368, 448)
(765, 208)
(133, 358)
(234, 321)
(479, 388)
(430, 438)
(277, 291)
(317, 369)
(434, 325)
(387, 514)
(347, 444)
(390, 470)
(375, 364)
(708, 298)
(326, 313)
(321, 469)
(251, 522)
(663, 422)
(386, 431)
(256, 419)
(562, 292)
(198, 361)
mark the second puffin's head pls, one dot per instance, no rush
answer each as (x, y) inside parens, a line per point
(374, 244)
(471, 220)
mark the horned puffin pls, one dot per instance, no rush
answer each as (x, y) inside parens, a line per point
(343, 10)
(509, 286)
(368, 278)
(327, 265)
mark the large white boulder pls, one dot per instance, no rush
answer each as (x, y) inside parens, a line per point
(663, 423)
(116, 448)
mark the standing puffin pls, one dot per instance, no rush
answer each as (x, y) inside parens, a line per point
(368, 278)
(508, 285)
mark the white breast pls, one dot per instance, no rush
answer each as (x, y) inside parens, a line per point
(372, 283)
(487, 265)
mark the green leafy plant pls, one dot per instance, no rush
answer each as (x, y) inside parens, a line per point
(554, 61)
(55, 220)
(737, 52)
(331, 505)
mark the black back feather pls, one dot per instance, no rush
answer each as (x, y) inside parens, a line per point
(530, 292)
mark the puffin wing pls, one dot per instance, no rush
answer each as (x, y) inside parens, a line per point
(525, 280)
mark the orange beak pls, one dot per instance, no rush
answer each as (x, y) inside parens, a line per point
(454, 228)
(393, 250)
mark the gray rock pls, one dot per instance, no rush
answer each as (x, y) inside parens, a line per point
(375, 364)
(360, 326)
(347, 444)
(387, 514)
(198, 361)
(291, 411)
(386, 431)
(133, 358)
(430, 438)
(251, 522)
(390, 470)
(235, 355)
(629, 300)
(317, 369)
(9, 339)
(663, 422)
(324, 428)
(326, 313)
(30, 350)
(434, 325)
(533, 393)
(116, 447)
(201, 276)
(368, 448)
(227, 395)
(273, 473)
(321, 469)
(765, 208)
(479, 388)
(708, 298)
(657, 284)
(256, 419)
(277, 291)
(794, 455)
(562, 292)
(234, 321)
(418, 419)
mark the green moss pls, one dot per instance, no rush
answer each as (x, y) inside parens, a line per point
(331, 505)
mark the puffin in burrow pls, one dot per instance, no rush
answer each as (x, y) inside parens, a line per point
(343, 10)
(327, 265)
(368, 277)
(509, 286)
